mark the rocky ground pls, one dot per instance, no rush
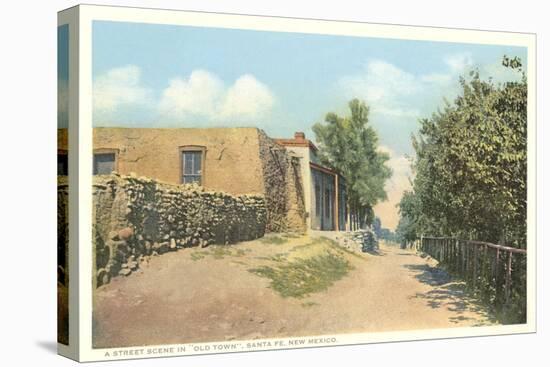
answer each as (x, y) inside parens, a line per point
(269, 288)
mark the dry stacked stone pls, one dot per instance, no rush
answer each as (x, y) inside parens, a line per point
(284, 195)
(62, 230)
(135, 218)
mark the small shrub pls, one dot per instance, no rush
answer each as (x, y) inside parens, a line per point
(305, 276)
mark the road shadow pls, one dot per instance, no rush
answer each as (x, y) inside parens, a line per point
(431, 275)
(449, 293)
(377, 252)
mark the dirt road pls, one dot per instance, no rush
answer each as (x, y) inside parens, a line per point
(197, 295)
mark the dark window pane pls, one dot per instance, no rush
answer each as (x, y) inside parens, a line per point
(197, 167)
(62, 164)
(327, 203)
(318, 200)
(104, 163)
(188, 163)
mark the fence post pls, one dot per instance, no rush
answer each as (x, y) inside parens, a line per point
(496, 274)
(475, 267)
(484, 273)
(481, 271)
(508, 277)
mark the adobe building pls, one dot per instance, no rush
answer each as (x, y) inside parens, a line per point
(324, 189)
(300, 193)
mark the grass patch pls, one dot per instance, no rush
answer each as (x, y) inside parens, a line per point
(331, 242)
(292, 235)
(276, 258)
(309, 304)
(198, 255)
(302, 247)
(219, 252)
(305, 276)
(273, 240)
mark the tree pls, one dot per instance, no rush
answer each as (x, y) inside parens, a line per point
(377, 226)
(349, 145)
(471, 164)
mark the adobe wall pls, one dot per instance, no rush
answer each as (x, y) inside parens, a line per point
(231, 159)
(138, 217)
(283, 187)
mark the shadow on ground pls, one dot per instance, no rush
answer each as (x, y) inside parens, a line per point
(375, 252)
(449, 293)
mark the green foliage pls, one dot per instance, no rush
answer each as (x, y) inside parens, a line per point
(410, 216)
(350, 146)
(302, 277)
(383, 233)
(471, 165)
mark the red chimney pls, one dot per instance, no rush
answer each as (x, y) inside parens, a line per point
(299, 136)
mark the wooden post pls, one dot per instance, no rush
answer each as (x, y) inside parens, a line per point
(457, 255)
(508, 277)
(475, 266)
(496, 273)
(484, 270)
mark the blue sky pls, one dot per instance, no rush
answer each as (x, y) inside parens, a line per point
(177, 76)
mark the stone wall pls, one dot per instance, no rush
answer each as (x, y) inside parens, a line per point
(283, 187)
(63, 230)
(138, 217)
(237, 161)
(62, 260)
(296, 207)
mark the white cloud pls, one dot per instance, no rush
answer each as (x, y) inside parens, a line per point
(119, 95)
(399, 96)
(247, 98)
(119, 87)
(203, 95)
(458, 63)
(380, 83)
(395, 186)
(200, 94)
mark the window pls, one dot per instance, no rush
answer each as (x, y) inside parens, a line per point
(192, 165)
(104, 163)
(62, 164)
(328, 203)
(317, 200)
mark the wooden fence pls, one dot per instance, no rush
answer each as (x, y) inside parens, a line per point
(495, 273)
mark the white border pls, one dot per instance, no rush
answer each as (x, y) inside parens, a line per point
(89, 13)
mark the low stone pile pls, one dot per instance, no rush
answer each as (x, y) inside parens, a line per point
(363, 240)
(368, 240)
(135, 218)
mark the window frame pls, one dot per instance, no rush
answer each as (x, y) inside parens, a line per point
(195, 149)
(105, 151)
